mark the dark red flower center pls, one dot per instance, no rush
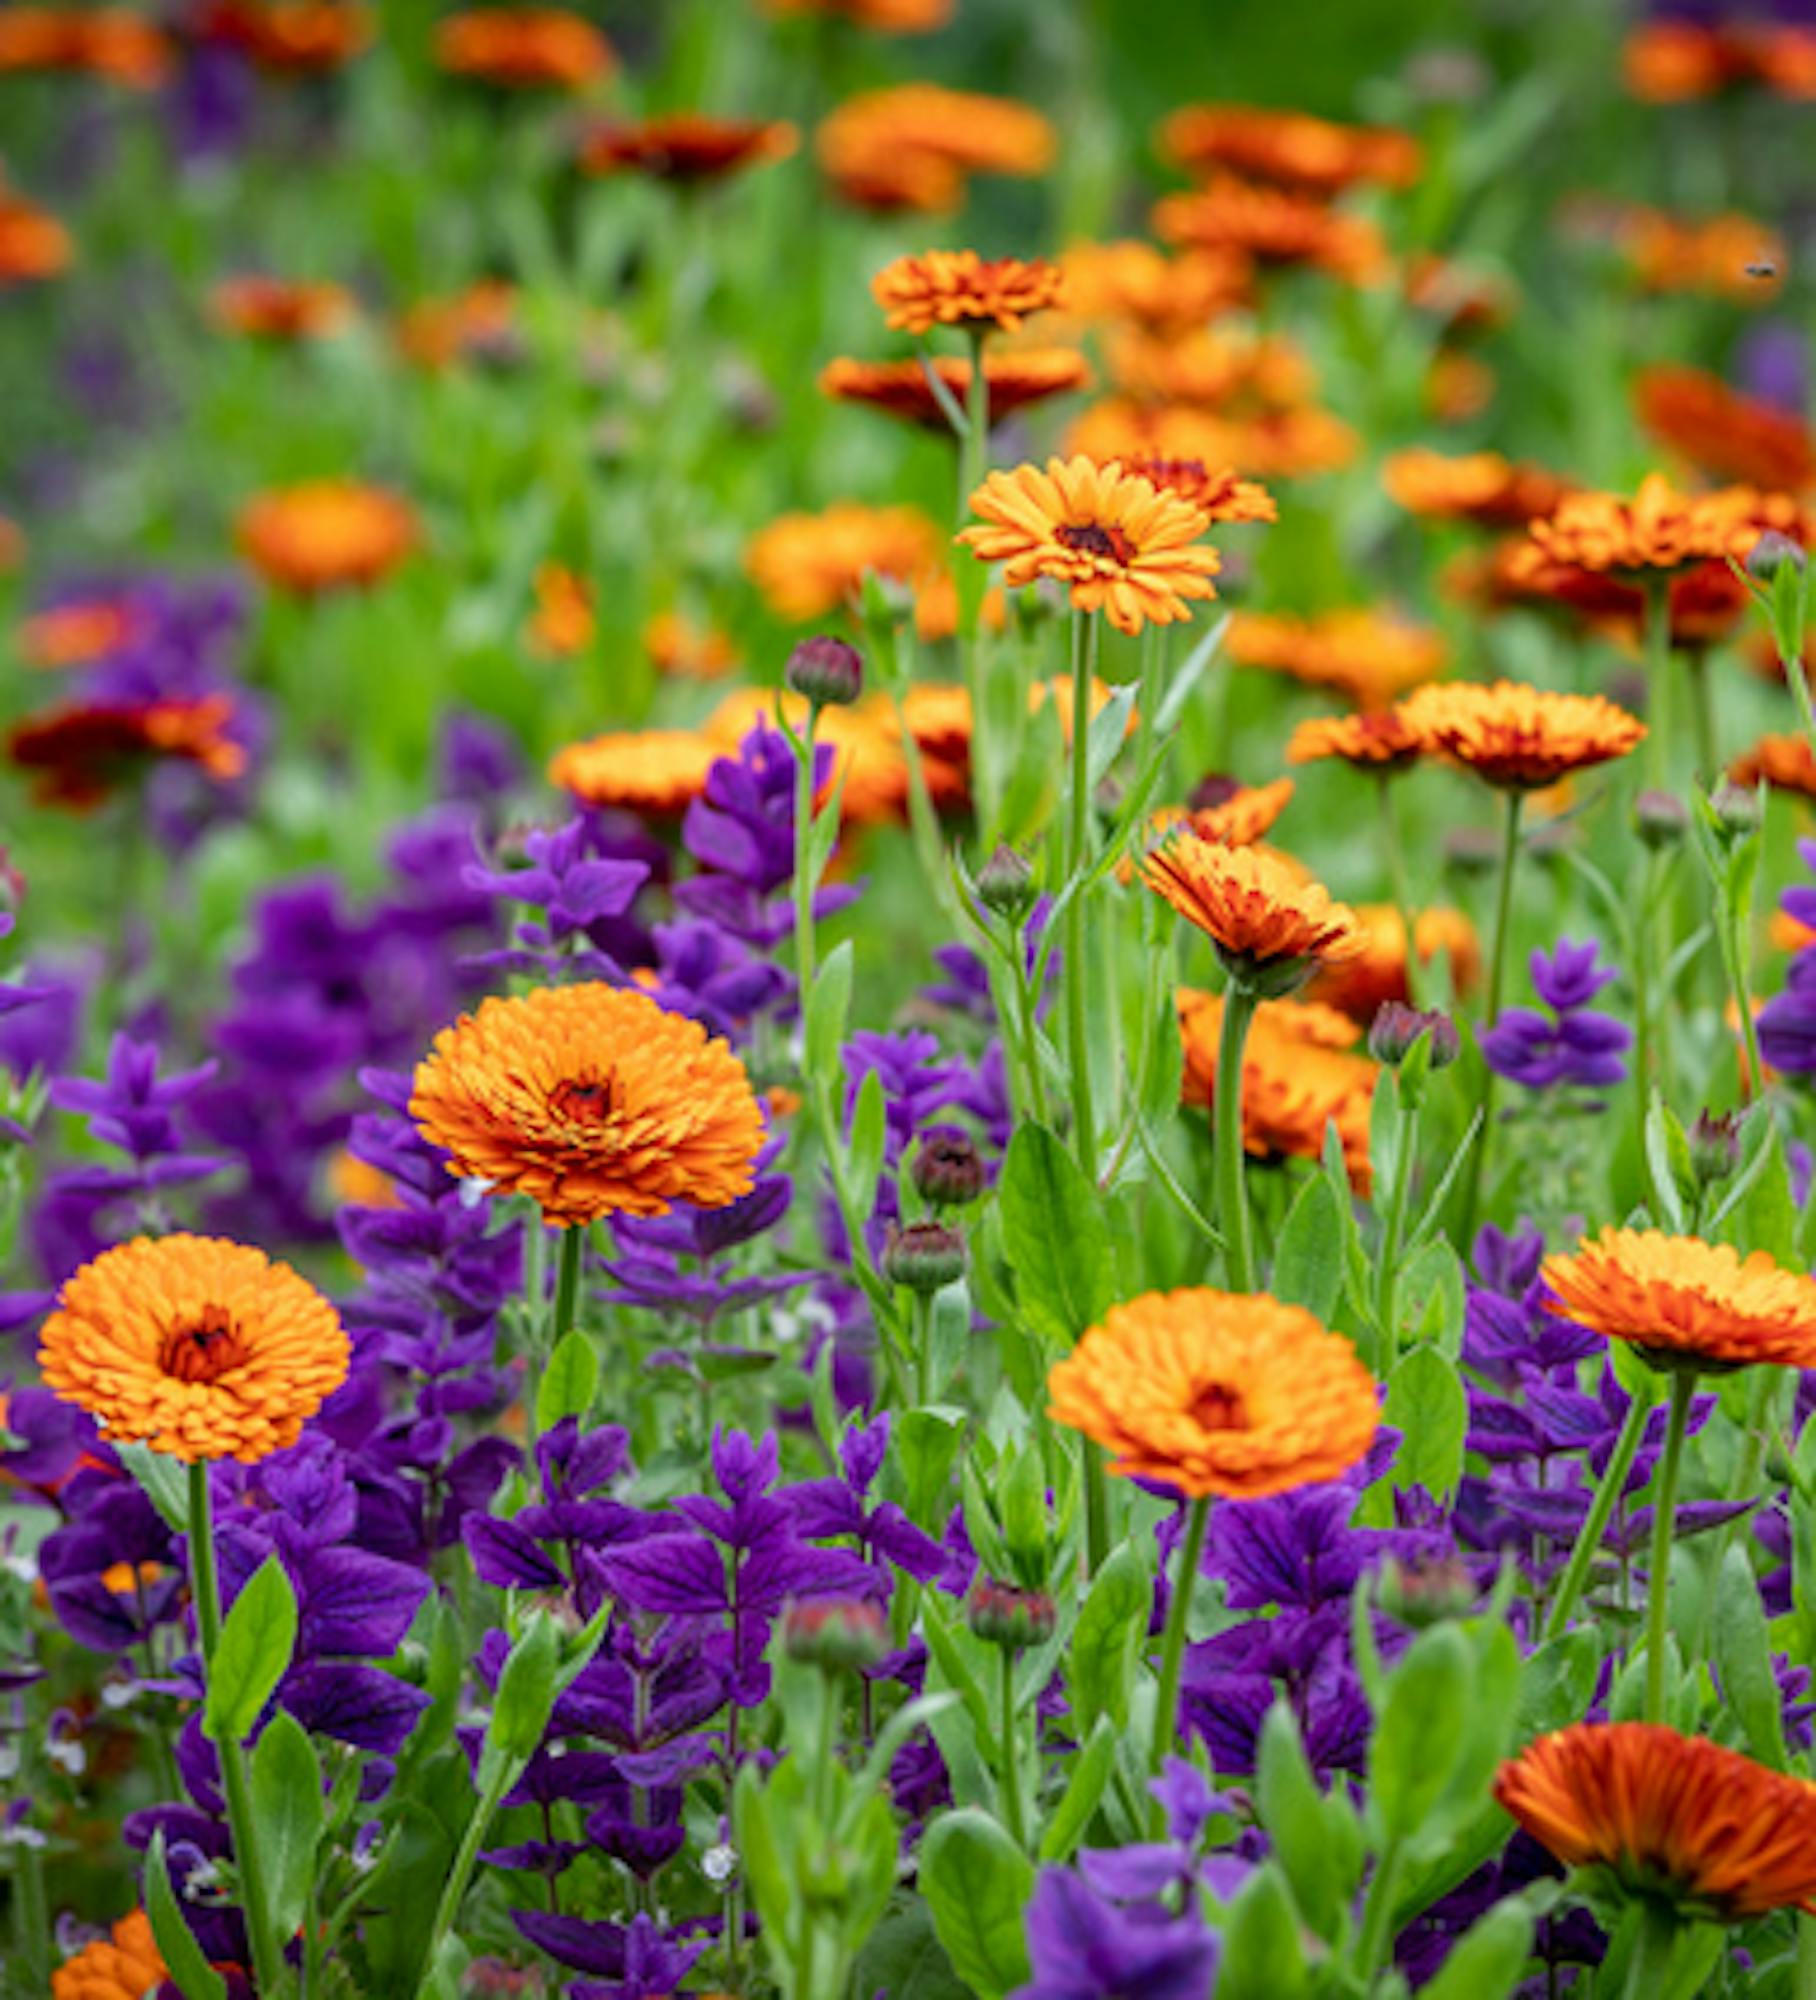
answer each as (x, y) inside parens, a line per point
(204, 1350)
(1218, 1407)
(1092, 538)
(585, 1101)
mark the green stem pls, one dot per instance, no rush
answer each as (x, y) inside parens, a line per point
(1030, 1025)
(1649, 1968)
(803, 873)
(31, 1913)
(1172, 1649)
(1012, 1793)
(1658, 681)
(1227, 1163)
(1387, 1283)
(1732, 922)
(1702, 716)
(1395, 853)
(1078, 1025)
(1377, 1915)
(1497, 979)
(920, 1320)
(454, 1889)
(1640, 958)
(267, 1957)
(1658, 1593)
(1803, 1985)
(1097, 1508)
(974, 446)
(1589, 1542)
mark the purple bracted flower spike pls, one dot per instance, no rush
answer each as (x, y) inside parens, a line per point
(1577, 1046)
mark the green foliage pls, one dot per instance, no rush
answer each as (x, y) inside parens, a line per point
(256, 1642)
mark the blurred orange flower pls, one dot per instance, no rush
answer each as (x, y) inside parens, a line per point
(682, 650)
(1480, 487)
(657, 772)
(1367, 656)
(1216, 491)
(1517, 736)
(289, 37)
(1377, 740)
(327, 534)
(122, 1966)
(911, 147)
(1723, 433)
(686, 146)
(1291, 147)
(34, 245)
(1783, 762)
(279, 309)
(1359, 987)
(470, 325)
(1135, 281)
(83, 752)
(1014, 380)
(77, 633)
(1269, 444)
(523, 48)
(562, 623)
(1273, 226)
(1661, 528)
(887, 17)
(806, 565)
(961, 289)
(111, 42)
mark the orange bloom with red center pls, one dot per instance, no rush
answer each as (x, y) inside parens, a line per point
(329, 534)
(1661, 528)
(1783, 762)
(1361, 986)
(1273, 226)
(1669, 1816)
(1234, 814)
(195, 1346)
(289, 37)
(1481, 487)
(1119, 543)
(1787, 60)
(1367, 657)
(1251, 904)
(523, 48)
(806, 565)
(910, 148)
(1671, 62)
(592, 1102)
(959, 288)
(658, 772)
(1012, 381)
(1217, 1392)
(123, 1966)
(1723, 433)
(76, 634)
(1270, 444)
(110, 42)
(476, 324)
(33, 244)
(686, 146)
(1291, 147)
(1135, 281)
(83, 752)
(1217, 492)
(1675, 1296)
(680, 649)
(1376, 740)
(279, 310)
(1518, 736)
(563, 622)
(886, 17)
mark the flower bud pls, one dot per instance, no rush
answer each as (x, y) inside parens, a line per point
(1397, 1028)
(1472, 850)
(1427, 1590)
(1211, 791)
(1714, 1146)
(1736, 811)
(947, 1170)
(828, 671)
(835, 1634)
(1771, 553)
(1003, 1614)
(1659, 819)
(924, 1256)
(1005, 884)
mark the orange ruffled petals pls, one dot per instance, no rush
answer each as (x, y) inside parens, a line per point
(1250, 903)
(1518, 736)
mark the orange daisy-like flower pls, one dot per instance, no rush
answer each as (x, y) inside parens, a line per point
(1013, 381)
(83, 752)
(1135, 281)
(936, 608)
(1661, 528)
(1273, 226)
(290, 37)
(1218, 492)
(1367, 657)
(1730, 256)
(523, 48)
(196, 1346)
(1787, 60)
(476, 324)
(592, 1102)
(563, 622)
(124, 1966)
(657, 772)
(1376, 740)
(910, 148)
(1671, 62)
(806, 565)
(686, 146)
(1117, 541)
(960, 288)
(34, 245)
(1361, 986)
(1289, 146)
(277, 309)
(1679, 1296)
(1252, 905)
(1217, 1392)
(76, 634)
(683, 650)
(1481, 487)
(1669, 1815)
(886, 17)
(1212, 367)
(1724, 433)
(326, 535)
(1270, 444)
(110, 42)
(1518, 736)
(1783, 762)
(1458, 386)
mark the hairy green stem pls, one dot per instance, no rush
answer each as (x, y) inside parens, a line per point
(1078, 1021)
(1228, 1166)
(1377, 1915)
(1393, 1229)
(1497, 978)
(454, 1889)
(1394, 853)
(1658, 1587)
(1172, 1648)
(1589, 1542)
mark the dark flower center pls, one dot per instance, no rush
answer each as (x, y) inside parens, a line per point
(1218, 1407)
(1091, 538)
(204, 1350)
(588, 1102)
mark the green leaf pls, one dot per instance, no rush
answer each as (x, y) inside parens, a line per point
(1558, 1684)
(1185, 677)
(1308, 1259)
(1669, 1171)
(1262, 1956)
(1108, 728)
(1489, 1959)
(864, 1158)
(924, 1445)
(254, 1648)
(197, 1979)
(905, 1959)
(1090, 1774)
(526, 1693)
(1743, 1659)
(568, 1382)
(1420, 1731)
(1292, 1810)
(288, 1817)
(1055, 1236)
(827, 1007)
(1109, 1638)
(977, 1883)
(162, 1480)
(1426, 1402)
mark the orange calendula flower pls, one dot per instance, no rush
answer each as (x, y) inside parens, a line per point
(195, 1346)
(1013, 380)
(910, 148)
(1723, 433)
(1251, 904)
(123, 1966)
(1273, 226)
(523, 48)
(1518, 736)
(277, 309)
(1217, 1392)
(1291, 147)
(1360, 987)
(34, 245)
(1218, 492)
(1134, 281)
(1212, 367)
(1730, 256)
(683, 650)
(289, 37)
(686, 146)
(83, 752)
(1669, 1816)
(592, 1101)
(806, 565)
(329, 534)
(886, 17)
(111, 42)
(1481, 487)
(961, 289)
(1119, 543)
(563, 622)
(1677, 1296)
(76, 634)
(659, 772)
(936, 608)
(1671, 62)
(1270, 444)
(475, 325)
(1366, 656)
(1376, 740)
(1661, 528)
(357, 1183)
(1783, 762)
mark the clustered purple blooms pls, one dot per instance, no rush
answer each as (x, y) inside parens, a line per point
(1577, 1046)
(1787, 1022)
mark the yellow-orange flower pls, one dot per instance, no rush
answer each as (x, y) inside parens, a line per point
(289, 37)
(523, 48)
(1288, 146)
(887, 17)
(1252, 905)
(1365, 656)
(471, 325)
(1376, 740)
(1269, 443)
(1273, 226)
(196, 1346)
(1518, 736)
(1783, 762)
(1480, 487)
(1218, 493)
(82, 752)
(1217, 1392)
(33, 244)
(1119, 543)
(592, 1101)
(1013, 381)
(1723, 433)
(910, 148)
(1669, 1816)
(278, 309)
(563, 622)
(1212, 367)
(123, 1966)
(1680, 1296)
(936, 608)
(686, 146)
(806, 565)
(680, 649)
(658, 772)
(110, 42)
(329, 534)
(1135, 281)
(1359, 987)
(959, 288)
(1661, 528)
(77, 633)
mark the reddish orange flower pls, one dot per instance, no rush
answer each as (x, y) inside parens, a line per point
(1013, 380)
(85, 751)
(1270, 444)
(1217, 1392)
(1291, 147)
(961, 289)
(1783, 762)
(806, 565)
(110, 42)
(657, 772)
(910, 148)
(686, 147)
(277, 309)
(1520, 737)
(1670, 62)
(1254, 907)
(1458, 386)
(1273, 227)
(1668, 1815)
(886, 17)
(1376, 740)
(33, 245)
(681, 649)
(12, 545)
(1481, 487)
(1730, 256)
(1360, 987)
(592, 1101)
(1216, 491)
(329, 534)
(196, 1346)
(289, 37)
(563, 622)
(76, 634)
(476, 324)
(523, 48)
(1367, 657)
(1134, 281)
(125, 1965)
(1662, 529)
(1212, 367)
(1787, 60)
(1723, 433)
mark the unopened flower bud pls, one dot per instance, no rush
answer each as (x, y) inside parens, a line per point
(1211, 791)
(1771, 553)
(835, 1634)
(1714, 1146)
(948, 1171)
(1005, 884)
(1397, 1028)
(828, 671)
(1427, 1590)
(1659, 819)
(1736, 810)
(1003, 1614)
(1472, 850)
(924, 1256)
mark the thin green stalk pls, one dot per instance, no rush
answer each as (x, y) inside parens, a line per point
(1012, 1793)
(267, 1955)
(1803, 1985)
(1702, 715)
(1658, 681)
(803, 874)
(1731, 923)
(1172, 1648)
(31, 1912)
(1028, 1015)
(1394, 852)
(1640, 958)
(1078, 1023)
(1097, 1508)
(1387, 1280)
(974, 446)
(1658, 1591)
(1654, 1949)
(1227, 1164)
(1589, 1542)
(567, 1281)
(1377, 1915)
(454, 1889)
(920, 1321)
(1497, 980)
